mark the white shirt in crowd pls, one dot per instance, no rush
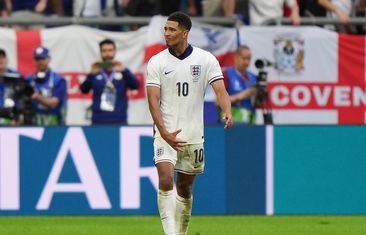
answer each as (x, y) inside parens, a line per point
(344, 5)
(87, 8)
(262, 10)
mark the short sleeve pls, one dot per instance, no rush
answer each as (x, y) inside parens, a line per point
(153, 78)
(214, 71)
(59, 90)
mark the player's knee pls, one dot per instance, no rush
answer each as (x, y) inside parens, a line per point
(166, 182)
(184, 189)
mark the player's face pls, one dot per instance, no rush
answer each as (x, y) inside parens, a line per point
(42, 64)
(242, 60)
(107, 51)
(3, 63)
(174, 35)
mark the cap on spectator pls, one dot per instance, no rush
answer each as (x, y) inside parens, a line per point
(2, 53)
(41, 52)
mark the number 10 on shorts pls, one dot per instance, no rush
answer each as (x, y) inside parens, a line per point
(198, 155)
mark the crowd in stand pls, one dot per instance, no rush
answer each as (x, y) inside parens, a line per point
(253, 12)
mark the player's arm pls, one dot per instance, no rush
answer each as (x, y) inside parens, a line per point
(153, 96)
(223, 100)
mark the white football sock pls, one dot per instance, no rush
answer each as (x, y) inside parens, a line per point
(166, 204)
(183, 211)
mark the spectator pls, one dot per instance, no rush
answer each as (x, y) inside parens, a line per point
(242, 10)
(56, 8)
(7, 93)
(87, 8)
(360, 7)
(50, 94)
(311, 8)
(68, 7)
(31, 10)
(30, 6)
(341, 9)
(109, 80)
(112, 8)
(240, 84)
(5, 6)
(141, 7)
(192, 7)
(218, 8)
(262, 10)
(166, 7)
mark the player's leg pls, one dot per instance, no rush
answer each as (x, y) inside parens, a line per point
(165, 158)
(166, 198)
(189, 163)
(183, 205)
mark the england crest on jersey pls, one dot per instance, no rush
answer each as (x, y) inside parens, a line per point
(195, 72)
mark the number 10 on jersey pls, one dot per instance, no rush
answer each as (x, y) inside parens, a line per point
(183, 88)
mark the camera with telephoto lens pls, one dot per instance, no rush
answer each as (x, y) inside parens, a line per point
(262, 90)
(17, 99)
(261, 99)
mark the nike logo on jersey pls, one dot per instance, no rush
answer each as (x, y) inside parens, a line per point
(166, 73)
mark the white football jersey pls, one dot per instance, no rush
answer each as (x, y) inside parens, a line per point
(182, 83)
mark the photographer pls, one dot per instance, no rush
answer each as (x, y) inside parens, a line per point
(109, 80)
(240, 84)
(7, 93)
(50, 91)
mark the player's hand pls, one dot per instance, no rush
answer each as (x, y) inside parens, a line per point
(229, 120)
(172, 140)
(95, 68)
(117, 66)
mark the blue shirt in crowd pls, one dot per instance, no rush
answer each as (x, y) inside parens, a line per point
(121, 82)
(53, 85)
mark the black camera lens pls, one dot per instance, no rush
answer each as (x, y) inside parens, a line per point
(261, 63)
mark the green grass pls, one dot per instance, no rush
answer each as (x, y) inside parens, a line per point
(200, 225)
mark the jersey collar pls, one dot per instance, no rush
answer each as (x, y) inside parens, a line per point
(185, 54)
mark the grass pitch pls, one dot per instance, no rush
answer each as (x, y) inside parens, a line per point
(200, 225)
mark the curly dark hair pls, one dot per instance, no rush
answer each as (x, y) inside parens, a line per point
(182, 19)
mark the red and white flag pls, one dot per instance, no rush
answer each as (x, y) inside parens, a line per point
(317, 77)
(73, 49)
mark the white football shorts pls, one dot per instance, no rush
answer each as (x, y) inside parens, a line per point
(189, 161)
